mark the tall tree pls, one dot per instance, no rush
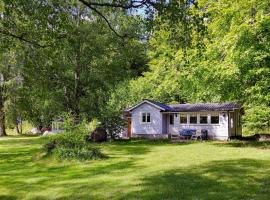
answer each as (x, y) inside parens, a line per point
(76, 74)
(225, 57)
(23, 24)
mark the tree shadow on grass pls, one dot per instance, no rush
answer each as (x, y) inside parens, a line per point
(7, 197)
(230, 179)
(140, 146)
(244, 144)
(224, 179)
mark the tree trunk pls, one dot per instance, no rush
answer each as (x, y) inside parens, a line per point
(77, 86)
(19, 129)
(2, 116)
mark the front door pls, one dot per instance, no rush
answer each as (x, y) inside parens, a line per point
(232, 124)
(129, 127)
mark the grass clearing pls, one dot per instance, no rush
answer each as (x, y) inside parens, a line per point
(138, 169)
(26, 128)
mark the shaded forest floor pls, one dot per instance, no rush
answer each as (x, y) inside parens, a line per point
(138, 169)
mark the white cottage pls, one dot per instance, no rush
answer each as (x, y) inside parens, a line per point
(151, 119)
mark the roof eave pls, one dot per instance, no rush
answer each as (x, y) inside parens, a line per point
(144, 101)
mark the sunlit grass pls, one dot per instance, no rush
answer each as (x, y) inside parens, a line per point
(26, 128)
(138, 170)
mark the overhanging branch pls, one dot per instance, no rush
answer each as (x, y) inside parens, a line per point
(22, 38)
(102, 16)
(132, 4)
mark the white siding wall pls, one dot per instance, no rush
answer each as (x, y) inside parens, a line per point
(154, 127)
(216, 131)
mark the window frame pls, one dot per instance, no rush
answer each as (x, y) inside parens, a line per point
(183, 115)
(146, 116)
(193, 115)
(206, 119)
(214, 115)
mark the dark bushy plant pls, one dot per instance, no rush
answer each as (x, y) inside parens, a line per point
(72, 145)
(99, 135)
(84, 153)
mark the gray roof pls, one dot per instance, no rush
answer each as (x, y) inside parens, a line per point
(164, 106)
(205, 107)
(197, 107)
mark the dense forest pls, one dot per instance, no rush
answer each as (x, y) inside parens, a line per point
(92, 59)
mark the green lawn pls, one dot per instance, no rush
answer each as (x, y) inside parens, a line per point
(138, 170)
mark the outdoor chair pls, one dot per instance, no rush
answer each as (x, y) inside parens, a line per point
(197, 135)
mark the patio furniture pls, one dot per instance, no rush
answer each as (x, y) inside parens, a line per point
(187, 133)
(204, 134)
(197, 136)
(174, 136)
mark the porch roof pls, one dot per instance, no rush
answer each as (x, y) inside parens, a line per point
(205, 107)
(196, 107)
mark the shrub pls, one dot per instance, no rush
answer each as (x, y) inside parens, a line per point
(99, 135)
(84, 153)
(72, 145)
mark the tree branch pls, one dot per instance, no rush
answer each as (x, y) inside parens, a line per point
(21, 37)
(102, 16)
(132, 4)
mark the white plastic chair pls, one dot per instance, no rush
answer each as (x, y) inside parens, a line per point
(197, 136)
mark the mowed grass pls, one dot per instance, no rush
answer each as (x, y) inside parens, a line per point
(138, 170)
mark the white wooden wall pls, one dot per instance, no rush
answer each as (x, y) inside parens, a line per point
(154, 127)
(216, 131)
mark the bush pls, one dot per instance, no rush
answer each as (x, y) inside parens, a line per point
(257, 120)
(72, 145)
(99, 135)
(85, 153)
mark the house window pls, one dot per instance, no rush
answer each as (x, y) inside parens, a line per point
(193, 119)
(183, 119)
(146, 117)
(171, 119)
(203, 119)
(214, 119)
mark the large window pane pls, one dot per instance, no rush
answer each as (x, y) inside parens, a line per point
(183, 119)
(215, 119)
(148, 117)
(193, 119)
(143, 117)
(203, 119)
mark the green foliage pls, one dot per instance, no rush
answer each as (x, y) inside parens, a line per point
(68, 139)
(26, 128)
(69, 123)
(90, 127)
(85, 153)
(77, 75)
(60, 57)
(232, 63)
(72, 145)
(258, 119)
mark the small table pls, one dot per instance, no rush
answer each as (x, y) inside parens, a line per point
(187, 133)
